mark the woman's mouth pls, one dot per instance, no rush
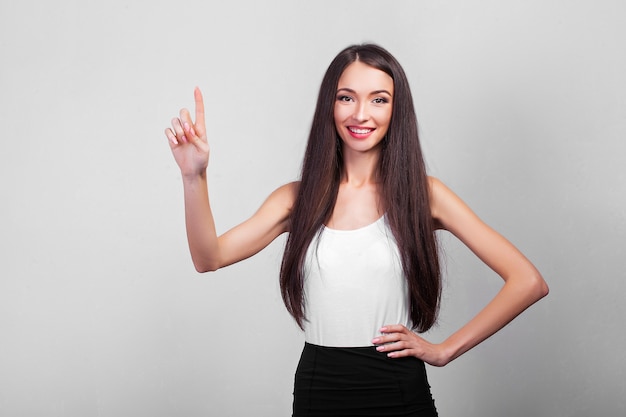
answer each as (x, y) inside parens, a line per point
(360, 132)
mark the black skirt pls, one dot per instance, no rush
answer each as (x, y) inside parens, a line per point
(359, 382)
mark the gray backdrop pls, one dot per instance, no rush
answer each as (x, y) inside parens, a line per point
(522, 112)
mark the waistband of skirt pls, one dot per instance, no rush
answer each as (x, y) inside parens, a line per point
(314, 346)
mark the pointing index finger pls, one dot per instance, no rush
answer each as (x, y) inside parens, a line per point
(199, 110)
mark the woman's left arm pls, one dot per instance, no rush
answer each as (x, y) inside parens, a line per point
(523, 284)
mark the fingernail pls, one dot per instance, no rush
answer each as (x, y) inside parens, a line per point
(380, 348)
(171, 137)
(376, 341)
(186, 126)
(184, 138)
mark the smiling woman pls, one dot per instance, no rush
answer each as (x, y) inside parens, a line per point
(360, 272)
(364, 106)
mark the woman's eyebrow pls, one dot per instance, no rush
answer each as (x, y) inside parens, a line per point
(349, 90)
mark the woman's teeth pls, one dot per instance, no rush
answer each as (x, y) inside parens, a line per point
(359, 131)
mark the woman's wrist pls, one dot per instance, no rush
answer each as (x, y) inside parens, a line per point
(449, 352)
(194, 177)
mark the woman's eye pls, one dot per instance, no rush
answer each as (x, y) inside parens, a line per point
(380, 100)
(344, 98)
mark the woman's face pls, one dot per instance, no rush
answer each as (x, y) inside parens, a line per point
(363, 107)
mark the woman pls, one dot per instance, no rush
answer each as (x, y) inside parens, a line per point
(360, 272)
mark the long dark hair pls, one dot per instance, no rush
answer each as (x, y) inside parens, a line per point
(403, 189)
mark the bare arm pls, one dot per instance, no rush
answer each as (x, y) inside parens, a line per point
(523, 284)
(209, 252)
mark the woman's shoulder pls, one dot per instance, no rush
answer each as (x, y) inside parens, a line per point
(442, 201)
(447, 209)
(287, 191)
(435, 188)
(285, 195)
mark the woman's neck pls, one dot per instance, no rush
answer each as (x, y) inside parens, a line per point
(360, 168)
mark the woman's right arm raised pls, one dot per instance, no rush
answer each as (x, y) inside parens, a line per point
(209, 252)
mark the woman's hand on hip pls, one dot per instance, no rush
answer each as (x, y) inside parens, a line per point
(398, 342)
(188, 140)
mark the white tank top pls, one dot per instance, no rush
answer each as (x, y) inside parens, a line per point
(354, 284)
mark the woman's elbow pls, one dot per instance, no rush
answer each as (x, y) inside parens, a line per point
(203, 270)
(204, 266)
(539, 287)
(545, 290)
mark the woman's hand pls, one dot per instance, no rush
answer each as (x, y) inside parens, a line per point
(188, 140)
(398, 342)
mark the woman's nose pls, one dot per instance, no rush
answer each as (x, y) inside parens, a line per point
(361, 114)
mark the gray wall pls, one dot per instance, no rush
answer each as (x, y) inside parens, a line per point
(522, 113)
